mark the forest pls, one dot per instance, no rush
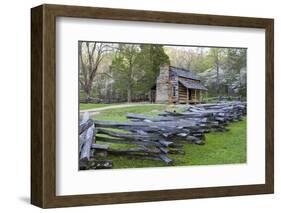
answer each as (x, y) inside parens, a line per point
(121, 72)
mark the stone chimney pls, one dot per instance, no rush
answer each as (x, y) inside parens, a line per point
(162, 85)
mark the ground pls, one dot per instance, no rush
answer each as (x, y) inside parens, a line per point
(93, 106)
(220, 148)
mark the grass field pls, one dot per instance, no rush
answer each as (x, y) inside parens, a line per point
(120, 113)
(220, 148)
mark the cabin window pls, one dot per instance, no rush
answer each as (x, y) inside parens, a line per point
(174, 91)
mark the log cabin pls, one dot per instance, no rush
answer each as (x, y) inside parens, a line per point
(176, 85)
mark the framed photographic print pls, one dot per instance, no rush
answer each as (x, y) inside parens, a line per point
(136, 106)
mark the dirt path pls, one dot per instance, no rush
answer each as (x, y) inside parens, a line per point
(96, 110)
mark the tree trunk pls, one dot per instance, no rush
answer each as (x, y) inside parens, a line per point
(217, 80)
(87, 91)
(129, 94)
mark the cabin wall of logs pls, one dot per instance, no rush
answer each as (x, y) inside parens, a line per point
(153, 137)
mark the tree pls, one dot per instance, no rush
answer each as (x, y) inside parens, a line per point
(124, 68)
(135, 69)
(189, 58)
(180, 57)
(236, 69)
(149, 60)
(227, 75)
(201, 60)
(217, 58)
(90, 56)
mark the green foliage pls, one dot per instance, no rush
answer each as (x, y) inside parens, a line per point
(150, 58)
(227, 76)
(135, 68)
(125, 70)
(220, 148)
(189, 58)
(217, 56)
(236, 76)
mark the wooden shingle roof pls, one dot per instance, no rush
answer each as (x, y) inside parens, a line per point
(184, 73)
(192, 85)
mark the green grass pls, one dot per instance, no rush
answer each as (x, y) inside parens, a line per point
(93, 106)
(220, 148)
(119, 114)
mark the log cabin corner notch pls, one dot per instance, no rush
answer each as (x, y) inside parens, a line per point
(176, 85)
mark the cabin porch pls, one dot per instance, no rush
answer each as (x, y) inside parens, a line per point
(188, 95)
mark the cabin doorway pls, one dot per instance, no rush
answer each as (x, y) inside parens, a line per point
(189, 94)
(192, 96)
